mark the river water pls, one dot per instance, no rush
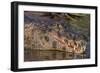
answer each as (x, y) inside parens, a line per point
(38, 55)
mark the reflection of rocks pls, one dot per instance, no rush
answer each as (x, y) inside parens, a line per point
(37, 38)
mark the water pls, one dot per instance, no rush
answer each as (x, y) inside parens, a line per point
(38, 55)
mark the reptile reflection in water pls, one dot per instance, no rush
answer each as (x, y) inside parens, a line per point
(38, 55)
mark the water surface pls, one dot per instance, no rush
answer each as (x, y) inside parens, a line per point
(44, 55)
